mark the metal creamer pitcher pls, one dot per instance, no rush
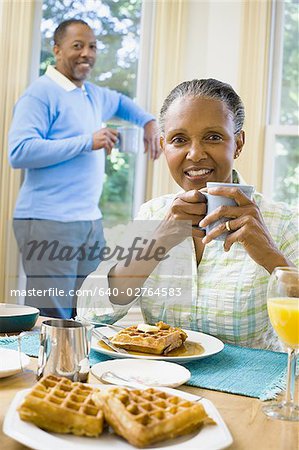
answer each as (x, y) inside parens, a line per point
(64, 349)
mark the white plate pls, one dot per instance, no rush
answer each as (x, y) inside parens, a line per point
(208, 438)
(151, 373)
(10, 362)
(210, 344)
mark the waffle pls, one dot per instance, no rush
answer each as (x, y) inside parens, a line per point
(160, 342)
(62, 406)
(144, 417)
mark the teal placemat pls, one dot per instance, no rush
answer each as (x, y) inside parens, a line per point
(237, 370)
(240, 370)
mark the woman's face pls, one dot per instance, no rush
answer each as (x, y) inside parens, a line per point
(199, 142)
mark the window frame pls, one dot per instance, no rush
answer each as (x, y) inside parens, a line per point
(274, 128)
(143, 95)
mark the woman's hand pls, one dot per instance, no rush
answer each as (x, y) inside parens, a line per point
(247, 227)
(188, 208)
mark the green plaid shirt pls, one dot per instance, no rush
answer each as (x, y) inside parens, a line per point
(225, 295)
(228, 288)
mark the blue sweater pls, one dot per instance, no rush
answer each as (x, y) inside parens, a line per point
(51, 138)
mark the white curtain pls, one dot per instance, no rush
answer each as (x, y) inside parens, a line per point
(16, 24)
(253, 82)
(169, 46)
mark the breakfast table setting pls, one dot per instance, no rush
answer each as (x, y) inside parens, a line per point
(228, 384)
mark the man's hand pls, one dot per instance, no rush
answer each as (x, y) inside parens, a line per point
(151, 140)
(104, 138)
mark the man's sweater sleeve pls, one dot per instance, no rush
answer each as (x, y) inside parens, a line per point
(119, 105)
(29, 146)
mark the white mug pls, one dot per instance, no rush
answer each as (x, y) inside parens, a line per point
(128, 139)
(215, 201)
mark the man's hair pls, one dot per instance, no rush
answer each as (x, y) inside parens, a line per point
(207, 88)
(61, 30)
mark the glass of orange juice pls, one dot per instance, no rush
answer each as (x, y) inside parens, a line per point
(283, 310)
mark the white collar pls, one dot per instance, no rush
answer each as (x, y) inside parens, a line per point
(62, 80)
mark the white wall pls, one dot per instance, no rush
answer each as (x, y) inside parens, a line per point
(213, 42)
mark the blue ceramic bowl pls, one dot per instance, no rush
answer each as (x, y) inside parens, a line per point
(14, 318)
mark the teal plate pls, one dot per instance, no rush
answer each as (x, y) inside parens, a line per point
(15, 318)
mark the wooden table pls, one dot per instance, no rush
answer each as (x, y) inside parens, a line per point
(250, 428)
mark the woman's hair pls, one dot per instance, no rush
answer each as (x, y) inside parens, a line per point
(208, 88)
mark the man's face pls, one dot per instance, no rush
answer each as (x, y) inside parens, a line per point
(76, 53)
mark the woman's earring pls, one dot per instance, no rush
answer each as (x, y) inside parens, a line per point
(237, 154)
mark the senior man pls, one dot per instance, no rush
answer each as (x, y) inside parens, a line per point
(57, 138)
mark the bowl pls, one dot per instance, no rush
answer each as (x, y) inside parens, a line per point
(15, 318)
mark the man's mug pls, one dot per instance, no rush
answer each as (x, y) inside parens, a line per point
(64, 349)
(215, 201)
(128, 139)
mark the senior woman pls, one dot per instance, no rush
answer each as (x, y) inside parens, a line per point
(201, 136)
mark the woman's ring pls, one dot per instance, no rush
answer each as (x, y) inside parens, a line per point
(227, 226)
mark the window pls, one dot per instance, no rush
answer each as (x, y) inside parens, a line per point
(281, 172)
(117, 28)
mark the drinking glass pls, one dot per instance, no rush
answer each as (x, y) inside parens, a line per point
(283, 310)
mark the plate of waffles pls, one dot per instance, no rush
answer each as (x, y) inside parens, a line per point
(160, 342)
(58, 413)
